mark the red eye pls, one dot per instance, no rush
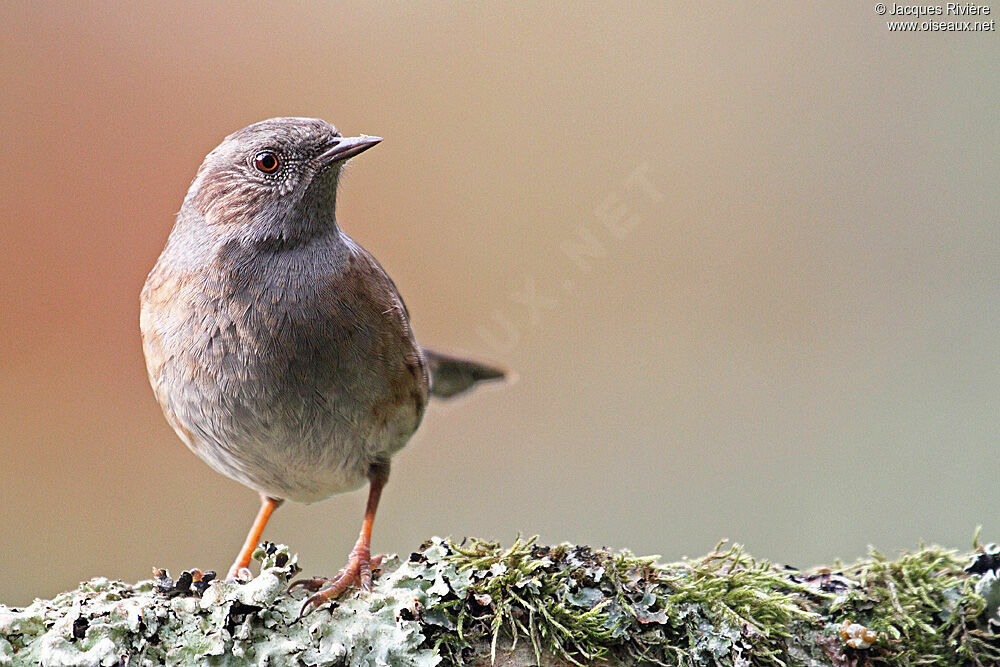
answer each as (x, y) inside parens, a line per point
(266, 162)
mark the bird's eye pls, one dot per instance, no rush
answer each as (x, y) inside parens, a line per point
(266, 162)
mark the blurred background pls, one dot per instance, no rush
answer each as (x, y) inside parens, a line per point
(745, 262)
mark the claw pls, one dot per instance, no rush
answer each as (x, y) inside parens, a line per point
(337, 587)
(358, 572)
(311, 585)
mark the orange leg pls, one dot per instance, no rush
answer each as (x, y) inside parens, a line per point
(267, 506)
(358, 570)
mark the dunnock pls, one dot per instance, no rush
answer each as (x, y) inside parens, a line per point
(279, 349)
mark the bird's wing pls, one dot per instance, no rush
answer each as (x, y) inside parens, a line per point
(449, 375)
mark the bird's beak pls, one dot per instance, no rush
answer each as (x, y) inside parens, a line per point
(343, 148)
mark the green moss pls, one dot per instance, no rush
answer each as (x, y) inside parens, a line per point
(925, 607)
(726, 608)
(584, 605)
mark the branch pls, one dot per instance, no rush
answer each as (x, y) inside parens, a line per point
(535, 605)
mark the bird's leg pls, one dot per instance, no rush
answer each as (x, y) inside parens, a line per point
(358, 570)
(267, 506)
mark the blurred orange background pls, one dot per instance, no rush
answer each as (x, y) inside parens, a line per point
(745, 261)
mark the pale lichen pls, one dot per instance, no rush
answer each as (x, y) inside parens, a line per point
(473, 602)
(106, 623)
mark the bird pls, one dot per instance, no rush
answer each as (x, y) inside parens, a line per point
(279, 349)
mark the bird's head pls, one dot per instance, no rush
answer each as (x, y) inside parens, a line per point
(277, 177)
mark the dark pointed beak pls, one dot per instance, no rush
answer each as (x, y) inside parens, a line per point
(343, 148)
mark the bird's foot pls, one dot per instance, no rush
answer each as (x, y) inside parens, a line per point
(357, 572)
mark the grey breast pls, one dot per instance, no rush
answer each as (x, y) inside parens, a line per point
(290, 369)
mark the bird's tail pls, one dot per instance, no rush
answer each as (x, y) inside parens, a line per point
(451, 376)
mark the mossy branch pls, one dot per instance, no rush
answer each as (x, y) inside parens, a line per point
(477, 602)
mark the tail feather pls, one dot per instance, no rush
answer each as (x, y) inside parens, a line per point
(451, 376)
